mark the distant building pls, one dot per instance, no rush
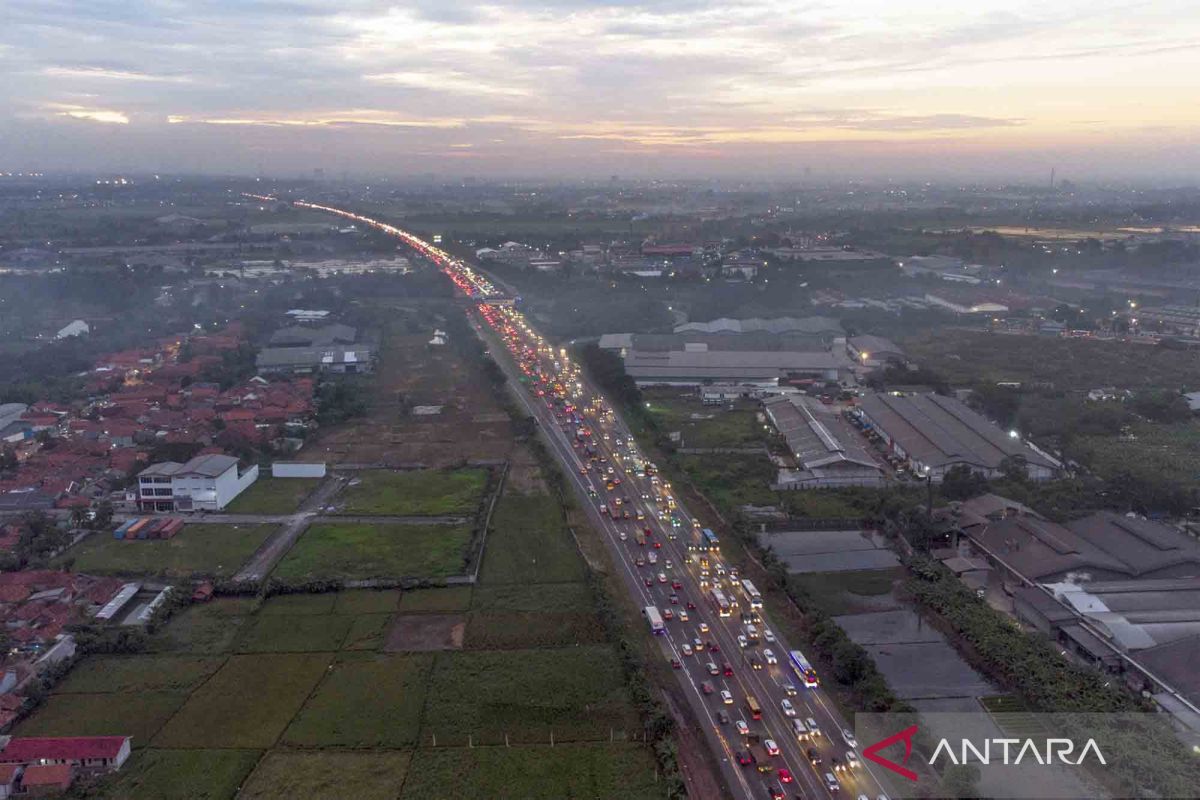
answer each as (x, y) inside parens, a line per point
(827, 452)
(309, 360)
(75, 328)
(308, 315)
(206, 483)
(690, 368)
(824, 327)
(85, 754)
(933, 434)
(308, 336)
(873, 351)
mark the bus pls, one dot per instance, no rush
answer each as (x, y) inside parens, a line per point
(752, 595)
(755, 708)
(720, 602)
(803, 669)
(655, 619)
(710, 540)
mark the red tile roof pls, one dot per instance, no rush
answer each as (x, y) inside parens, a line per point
(24, 749)
(51, 775)
(8, 771)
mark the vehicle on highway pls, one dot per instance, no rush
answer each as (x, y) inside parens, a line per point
(662, 577)
(848, 738)
(676, 663)
(803, 669)
(774, 793)
(668, 614)
(745, 758)
(852, 760)
(812, 726)
(698, 644)
(754, 707)
(639, 562)
(674, 598)
(655, 619)
(742, 727)
(814, 757)
(831, 783)
(754, 661)
(723, 716)
(622, 535)
(742, 641)
(683, 615)
(727, 669)
(769, 655)
(712, 668)
(652, 557)
(707, 687)
(772, 748)
(726, 697)
(768, 635)
(785, 775)
(789, 710)
(704, 627)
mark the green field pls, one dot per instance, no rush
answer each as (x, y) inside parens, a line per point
(516, 630)
(248, 703)
(208, 628)
(578, 771)
(197, 551)
(436, 601)
(415, 493)
(327, 775)
(278, 633)
(730, 481)
(139, 674)
(706, 426)
(182, 775)
(273, 496)
(355, 551)
(577, 693)
(367, 700)
(529, 543)
(139, 715)
(366, 601)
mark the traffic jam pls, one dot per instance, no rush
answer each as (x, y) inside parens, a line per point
(760, 697)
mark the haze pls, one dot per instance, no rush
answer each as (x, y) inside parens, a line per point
(571, 88)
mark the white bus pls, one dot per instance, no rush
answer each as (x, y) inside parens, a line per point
(721, 603)
(803, 669)
(655, 619)
(752, 595)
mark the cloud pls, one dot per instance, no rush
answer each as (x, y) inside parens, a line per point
(107, 116)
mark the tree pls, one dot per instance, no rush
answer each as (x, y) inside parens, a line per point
(962, 483)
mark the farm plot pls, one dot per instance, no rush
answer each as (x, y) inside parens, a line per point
(328, 775)
(279, 633)
(273, 496)
(446, 599)
(529, 543)
(197, 551)
(103, 674)
(138, 715)
(182, 775)
(366, 700)
(571, 770)
(248, 703)
(576, 693)
(422, 493)
(353, 551)
(208, 628)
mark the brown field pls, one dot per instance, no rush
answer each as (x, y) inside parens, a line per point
(426, 632)
(471, 425)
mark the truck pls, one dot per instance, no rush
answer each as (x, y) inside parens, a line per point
(657, 626)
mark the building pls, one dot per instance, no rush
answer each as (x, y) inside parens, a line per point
(206, 483)
(86, 754)
(341, 359)
(46, 780)
(308, 336)
(827, 451)
(76, 328)
(873, 351)
(825, 327)
(932, 434)
(695, 340)
(1183, 320)
(694, 367)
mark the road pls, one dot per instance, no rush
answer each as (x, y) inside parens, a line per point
(551, 385)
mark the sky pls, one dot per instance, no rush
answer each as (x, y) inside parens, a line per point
(576, 88)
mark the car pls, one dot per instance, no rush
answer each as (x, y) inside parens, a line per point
(648, 582)
(785, 775)
(674, 598)
(712, 668)
(747, 619)
(662, 577)
(769, 635)
(727, 669)
(774, 793)
(683, 615)
(723, 716)
(789, 710)
(707, 687)
(645, 495)
(831, 783)
(671, 566)
(852, 760)
(742, 727)
(754, 662)
(772, 748)
(742, 641)
(639, 562)
(789, 688)
(676, 585)
(686, 649)
(812, 726)
(668, 614)
(837, 764)
(726, 697)
(769, 655)
(676, 663)
(657, 545)
(691, 606)
(698, 644)
(704, 627)
(814, 757)
(623, 536)
(745, 758)
(712, 647)
(848, 738)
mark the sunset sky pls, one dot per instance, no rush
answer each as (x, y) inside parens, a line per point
(905, 88)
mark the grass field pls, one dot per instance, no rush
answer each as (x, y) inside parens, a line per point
(529, 543)
(415, 493)
(597, 772)
(269, 495)
(327, 775)
(706, 426)
(559, 597)
(277, 633)
(353, 551)
(366, 601)
(198, 550)
(115, 714)
(730, 480)
(139, 674)
(578, 693)
(247, 704)
(516, 630)
(436, 601)
(367, 632)
(182, 775)
(367, 700)
(208, 628)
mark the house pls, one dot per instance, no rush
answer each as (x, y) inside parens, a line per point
(38, 780)
(10, 780)
(206, 483)
(87, 754)
(873, 351)
(76, 328)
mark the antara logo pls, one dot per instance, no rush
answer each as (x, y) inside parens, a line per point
(1008, 751)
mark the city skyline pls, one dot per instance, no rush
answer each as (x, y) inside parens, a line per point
(570, 87)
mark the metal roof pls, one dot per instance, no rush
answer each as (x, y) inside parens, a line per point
(812, 440)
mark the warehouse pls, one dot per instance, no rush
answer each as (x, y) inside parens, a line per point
(932, 434)
(691, 368)
(827, 452)
(309, 360)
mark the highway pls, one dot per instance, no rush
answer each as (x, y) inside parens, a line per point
(598, 453)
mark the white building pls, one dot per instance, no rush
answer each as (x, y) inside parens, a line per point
(206, 483)
(75, 328)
